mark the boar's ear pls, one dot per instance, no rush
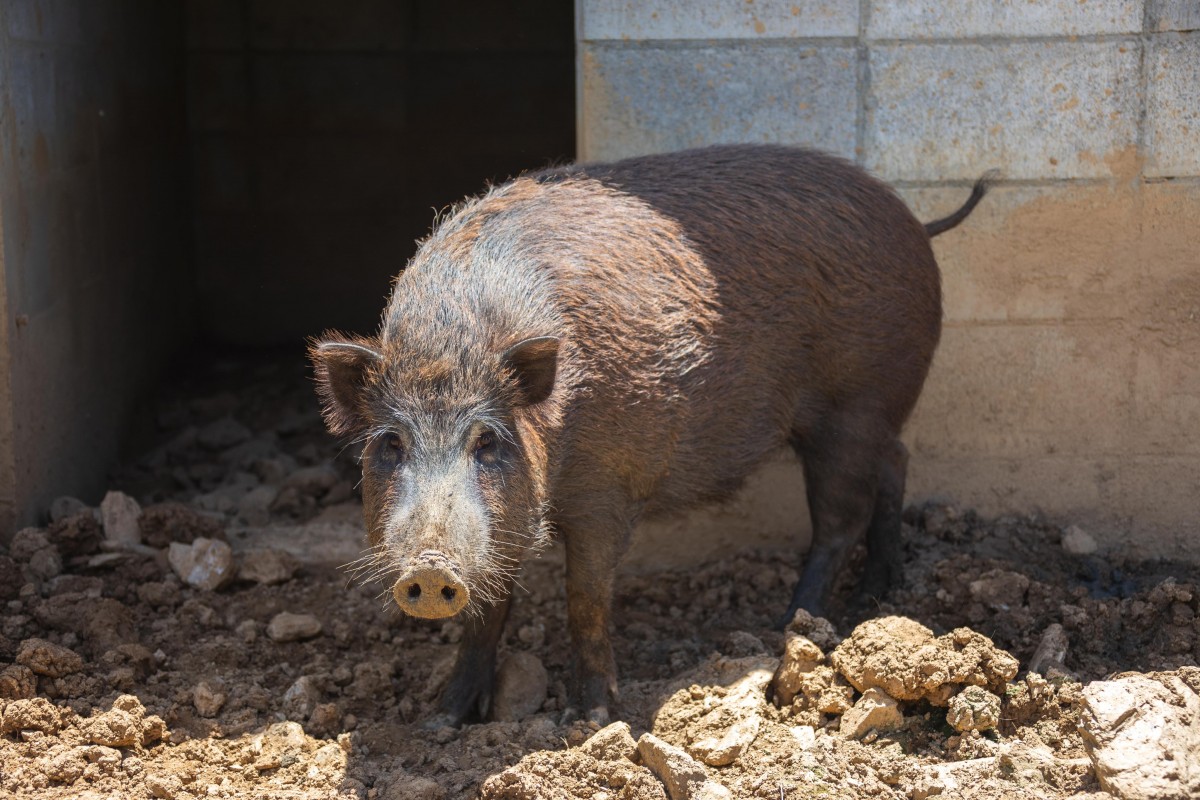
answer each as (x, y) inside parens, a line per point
(341, 366)
(534, 362)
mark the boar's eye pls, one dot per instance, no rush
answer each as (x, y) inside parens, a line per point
(393, 448)
(486, 450)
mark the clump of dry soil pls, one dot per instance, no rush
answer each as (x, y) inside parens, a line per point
(215, 649)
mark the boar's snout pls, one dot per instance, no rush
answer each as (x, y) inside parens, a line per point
(430, 588)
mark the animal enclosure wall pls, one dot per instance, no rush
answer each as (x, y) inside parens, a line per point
(1067, 377)
(187, 173)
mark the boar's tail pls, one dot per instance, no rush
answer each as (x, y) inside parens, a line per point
(946, 223)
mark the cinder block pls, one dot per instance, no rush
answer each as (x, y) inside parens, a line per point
(1038, 109)
(322, 25)
(1174, 15)
(1173, 105)
(934, 19)
(330, 91)
(640, 100)
(1166, 393)
(717, 19)
(1158, 497)
(46, 21)
(1010, 390)
(1061, 252)
(218, 91)
(215, 24)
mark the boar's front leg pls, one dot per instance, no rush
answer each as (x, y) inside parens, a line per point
(594, 545)
(469, 689)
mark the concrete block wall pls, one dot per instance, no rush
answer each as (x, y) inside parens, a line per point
(324, 135)
(95, 283)
(1067, 378)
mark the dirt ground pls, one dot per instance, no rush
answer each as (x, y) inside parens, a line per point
(119, 678)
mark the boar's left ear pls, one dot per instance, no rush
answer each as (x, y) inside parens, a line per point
(534, 362)
(341, 366)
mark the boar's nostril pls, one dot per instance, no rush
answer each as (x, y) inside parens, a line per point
(414, 591)
(448, 592)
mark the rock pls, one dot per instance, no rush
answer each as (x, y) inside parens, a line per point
(1142, 733)
(49, 659)
(301, 698)
(34, 714)
(165, 786)
(160, 594)
(875, 710)
(1078, 542)
(904, 659)
(805, 736)
(205, 563)
(324, 720)
(222, 434)
(521, 684)
(312, 481)
(818, 630)
(120, 515)
(268, 567)
(611, 743)
(11, 579)
(208, 698)
(973, 709)
(999, 589)
(254, 507)
(45, 564)
(17, 682)
(119, 727)
(722, 751)
(288, 627)
(711, 790)
(1051, 650)
(63, 763)
(800, 657)
(26, 543)
(680, 773)
(65, 506)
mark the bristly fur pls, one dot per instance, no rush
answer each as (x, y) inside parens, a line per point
(707, 309)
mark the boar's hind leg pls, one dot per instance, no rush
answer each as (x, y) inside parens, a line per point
(594, 546)
(841, 474)
(469, 688)
(883, 536)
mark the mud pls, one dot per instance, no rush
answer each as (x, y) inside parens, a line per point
(119, 678)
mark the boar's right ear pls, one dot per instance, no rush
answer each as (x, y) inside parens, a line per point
(534, 362)
(341, 366)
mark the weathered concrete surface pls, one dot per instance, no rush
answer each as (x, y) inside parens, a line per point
(1173, 104)
(720, 19)
(94, 253)
(1067, 377)
(1034, 109)
(932, 19)
(652, 99)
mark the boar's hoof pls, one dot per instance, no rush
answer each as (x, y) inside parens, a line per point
(431, 589)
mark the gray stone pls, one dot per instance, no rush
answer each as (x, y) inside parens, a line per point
(1173, 106)
(681, 774)
(288, 627)
(313, 481)
(521, 684)
(254, 507)
(683, 19)
(875, 710)
(120, 514)
(1037, 109)
(205, 563)
(65, 506)
(208, 698)
(611, 743)
(1078, 542)
(927, 19)
(655, 99)
(301, 698)
(1174, 15)
(1143, 736)
(267, 567)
